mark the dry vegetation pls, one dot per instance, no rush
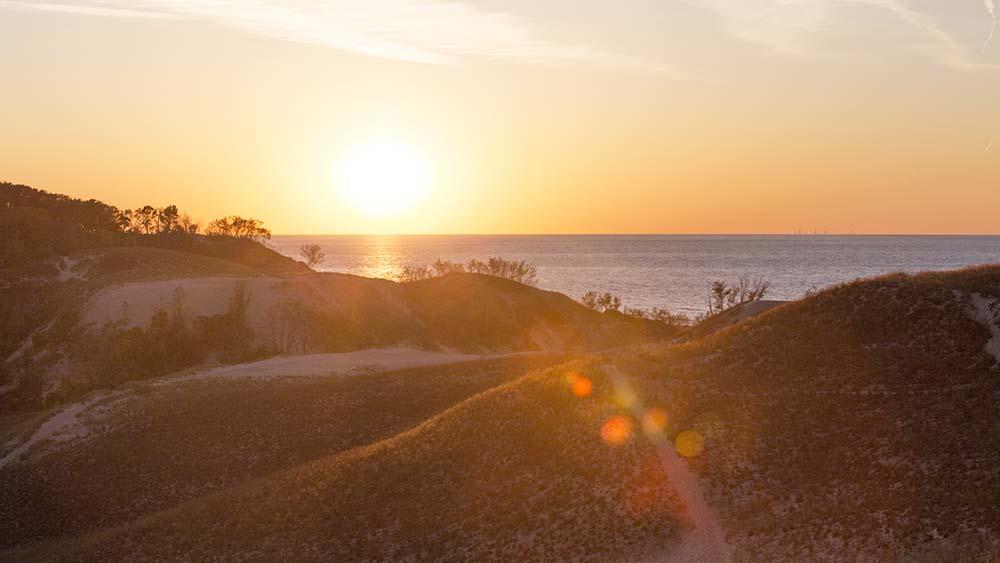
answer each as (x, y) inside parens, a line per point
(156, 444)
(168, 310)
(858, 424)
(860, 421)
(516, 471)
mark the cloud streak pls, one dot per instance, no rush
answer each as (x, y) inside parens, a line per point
(992, 12)
(419, 31)
(789, 26)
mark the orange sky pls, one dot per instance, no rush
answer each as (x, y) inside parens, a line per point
(570, 117)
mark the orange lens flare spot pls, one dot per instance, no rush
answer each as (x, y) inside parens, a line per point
(625, 398)
(616, 430)
(582, 386)
(689, 444)
(655, 421)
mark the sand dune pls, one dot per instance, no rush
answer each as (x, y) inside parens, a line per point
(347, 363)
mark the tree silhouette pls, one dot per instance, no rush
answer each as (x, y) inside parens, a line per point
(312, 254)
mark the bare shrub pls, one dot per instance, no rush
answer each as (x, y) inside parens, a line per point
(726, 295)
(412, 273)
(289, 329)
(312, 254)
(445, 267)
(602, 302)
(514, 270)
(229, 332)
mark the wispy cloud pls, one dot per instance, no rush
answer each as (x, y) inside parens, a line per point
(91, 9)
(992, 11)
(790, 26)
(421, 31)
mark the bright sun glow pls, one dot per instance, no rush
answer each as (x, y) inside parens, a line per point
(383, 178)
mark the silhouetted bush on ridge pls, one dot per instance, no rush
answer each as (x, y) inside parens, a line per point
(520, 271)
(726, 295)
(609, 303)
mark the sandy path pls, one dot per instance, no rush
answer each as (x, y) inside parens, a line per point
(347, 363)
(707, 541)
(985, 311)
(63, 426)
(67, 424)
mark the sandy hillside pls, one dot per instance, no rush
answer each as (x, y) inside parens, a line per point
(858, 424)
(116, 456)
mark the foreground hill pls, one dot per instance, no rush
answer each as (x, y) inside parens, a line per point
(97, 318)
(858, 424)
(148, 446)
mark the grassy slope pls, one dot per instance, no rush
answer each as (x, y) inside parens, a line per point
(466, 311)
(173, 442)
(336, 312)
(34, 297)
(514, 472)
(861, 423)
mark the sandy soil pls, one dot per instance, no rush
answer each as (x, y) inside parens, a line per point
(69, 423)
(64, 426)
(706, 542)
(68, 268)
(987, 312)
(347, 363)
(200, 296)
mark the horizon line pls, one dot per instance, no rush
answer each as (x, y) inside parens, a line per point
(734, 234)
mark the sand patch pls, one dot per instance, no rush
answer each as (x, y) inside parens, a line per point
(64, 426)
(70, 423)
(986, 310)
(136, 303)
(706, 541)
(347, 363)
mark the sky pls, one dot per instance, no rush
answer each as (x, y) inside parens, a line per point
(563, 116)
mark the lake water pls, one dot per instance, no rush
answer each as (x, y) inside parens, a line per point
(661, 270)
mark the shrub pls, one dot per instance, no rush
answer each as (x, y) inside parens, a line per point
(411, 273)
(724, 295)
(312, 254)
(228, 333)
(115, 354)
(516, 270)
(519, 271)
(445, 267)
(605, 302)
(239, 227)
(602, 302)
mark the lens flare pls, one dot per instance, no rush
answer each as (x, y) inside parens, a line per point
(689, 444)
(625, 397)
(616, 430)
(581, 385)
(655, 421)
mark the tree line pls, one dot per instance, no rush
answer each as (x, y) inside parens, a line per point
(35, 224)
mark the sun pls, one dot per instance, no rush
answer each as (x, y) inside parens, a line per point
(383, 178)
